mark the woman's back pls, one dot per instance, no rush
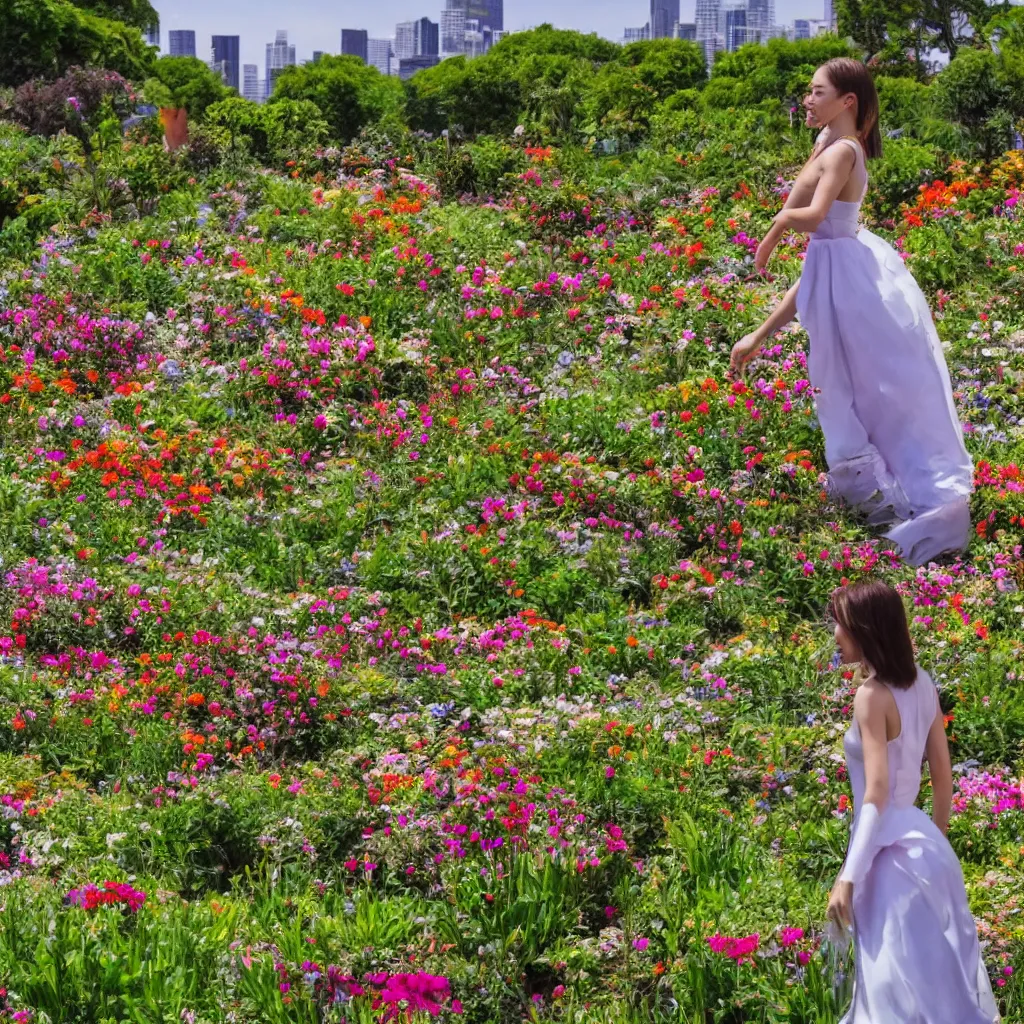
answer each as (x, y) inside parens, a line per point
(917, 706)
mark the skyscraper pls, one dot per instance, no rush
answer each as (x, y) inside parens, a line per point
(279, 56)
(801, 29)
(378, 53)
(152, 34)
(427, 42)
(636, 35)
(353, 43)
(760, 20)
(706, 19)
(225, 56)
(251, 82)
(686, 30)
(735, 27)
(453, 32)
(181, 42)
(405, 40)
(664, 18)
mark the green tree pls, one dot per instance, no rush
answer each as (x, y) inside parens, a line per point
(917, 24)
(139, 13)
(43, 38)
(184, 82)
(972, 93)
(478, 95)
(347, 92)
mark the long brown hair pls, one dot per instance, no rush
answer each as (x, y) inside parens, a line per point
(874, 616)
(849, 75)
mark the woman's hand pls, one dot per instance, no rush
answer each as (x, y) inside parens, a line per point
(840, 905)
(742, 352)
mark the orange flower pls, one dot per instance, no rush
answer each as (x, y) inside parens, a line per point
(631, 641)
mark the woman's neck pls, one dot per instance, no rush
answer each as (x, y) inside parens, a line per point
(842, 124)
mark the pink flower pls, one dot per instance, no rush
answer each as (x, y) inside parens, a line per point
(609, 772)
(641, 943)
(789, 936)
(419, 991)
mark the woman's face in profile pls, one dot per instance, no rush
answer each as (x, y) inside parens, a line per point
(849, 651)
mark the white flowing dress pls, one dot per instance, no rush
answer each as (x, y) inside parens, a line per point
(893, 442)
(916, 948)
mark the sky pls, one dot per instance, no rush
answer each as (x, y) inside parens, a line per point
(317, 24)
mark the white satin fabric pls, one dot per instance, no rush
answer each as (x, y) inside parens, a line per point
(917, 956)
(893, 442)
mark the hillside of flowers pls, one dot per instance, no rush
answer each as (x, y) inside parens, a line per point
(404, 616)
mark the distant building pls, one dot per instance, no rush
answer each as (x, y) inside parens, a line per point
(830, 16)
(760, 20)
(453, 32)
(801, 29)
(686, 30)
(181, 42)
(225, 55)
(408, 66)
(279, 56)
(706, 21)
(636, 35)
(152, 34)
(318, 55)
(428, 42)
(378, 54)
(405, 40)
(251, 82)
(664, 18)
(354, 43)
(735, 28)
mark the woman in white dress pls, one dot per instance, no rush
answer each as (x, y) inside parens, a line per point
(893, 442)
(916, 949)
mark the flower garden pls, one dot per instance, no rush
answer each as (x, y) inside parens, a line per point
(403, 616)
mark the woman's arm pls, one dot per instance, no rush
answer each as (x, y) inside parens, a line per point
(937, 752)
(750, 344)
(869, 708)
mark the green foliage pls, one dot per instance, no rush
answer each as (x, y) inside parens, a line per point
(972, 94)
(270, 133)
(139, 13)
(780, 69)
(43, 38)
(184, 82)
(347, 93)
(905, 164)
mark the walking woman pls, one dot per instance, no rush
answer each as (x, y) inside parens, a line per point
(917, 954)
(893, 442)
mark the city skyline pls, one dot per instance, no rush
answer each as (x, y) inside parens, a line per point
(316, 24)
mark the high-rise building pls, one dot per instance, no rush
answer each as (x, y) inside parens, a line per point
(181, 42)
(408, 66)
(353, 43)
(318, 55)
(152, 34)
(636, 35)
(225, 56)
(664, 18)
(251, 82)
(427, 41)
(686, 30)
(735, 27)
(760, 20)
(453, 32)
(830, 16)
(279, 56)
(405, 40)
(801, 29)
(378, 54)
(706, 20)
